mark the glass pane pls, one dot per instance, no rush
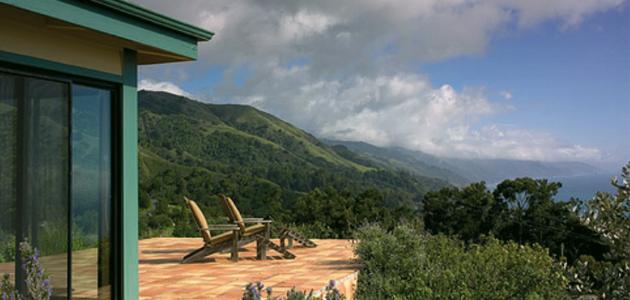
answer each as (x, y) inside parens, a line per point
(43, 212)
(91, 192)
(8, 143)
(34, 183)
(34, 177)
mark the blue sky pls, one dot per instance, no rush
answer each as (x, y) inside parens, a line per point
(573, 83)
(535, 80)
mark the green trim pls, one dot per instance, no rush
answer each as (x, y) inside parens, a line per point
(163, 20)
(58, 67)
(104, 18)
(129, 205)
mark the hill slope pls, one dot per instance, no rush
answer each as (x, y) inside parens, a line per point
(199, 150)
(398, 160)
(461, 172)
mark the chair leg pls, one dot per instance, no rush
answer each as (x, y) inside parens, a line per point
(261, 248)
(292, 235)
(283, 237)
(235, 239)
(271, 245)
(196, 255)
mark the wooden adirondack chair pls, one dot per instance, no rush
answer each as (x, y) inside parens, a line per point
(260, 230)
(292, 235)
(212, 244)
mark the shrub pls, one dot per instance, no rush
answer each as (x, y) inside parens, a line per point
(410, 264)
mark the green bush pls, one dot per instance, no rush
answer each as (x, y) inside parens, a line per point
(410, 264)
(608, 215)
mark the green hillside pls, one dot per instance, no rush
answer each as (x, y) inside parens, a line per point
(460, 172)
(395, 159)
(268, 166)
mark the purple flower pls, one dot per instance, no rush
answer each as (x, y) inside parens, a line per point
(332, 284)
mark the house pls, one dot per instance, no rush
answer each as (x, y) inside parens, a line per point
(68, 136)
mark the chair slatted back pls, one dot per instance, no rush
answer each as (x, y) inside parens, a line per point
(226, 207)
(200, 219)
(232, 211)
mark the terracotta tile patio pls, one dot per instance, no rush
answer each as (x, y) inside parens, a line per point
(162, 276)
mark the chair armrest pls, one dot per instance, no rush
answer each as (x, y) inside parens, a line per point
(253, 220)
(221, 227)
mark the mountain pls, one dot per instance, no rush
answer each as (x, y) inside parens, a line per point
(496, 170)
(461, 172)
(398, 160)
(198, 150)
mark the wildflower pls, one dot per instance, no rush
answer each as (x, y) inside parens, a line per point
(38, 283)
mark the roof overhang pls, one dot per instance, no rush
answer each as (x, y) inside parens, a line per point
(156, 38)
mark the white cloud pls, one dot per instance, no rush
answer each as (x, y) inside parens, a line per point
(150, 85)
(402, 110)
(359, 80)
(303, 24)
(507, 95)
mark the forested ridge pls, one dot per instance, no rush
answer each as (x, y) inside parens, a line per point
(193, 149)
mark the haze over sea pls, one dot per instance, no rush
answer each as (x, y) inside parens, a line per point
(584, 186)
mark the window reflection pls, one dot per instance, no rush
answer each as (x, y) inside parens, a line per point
(34, 192)
(91, 192)
(42, 139)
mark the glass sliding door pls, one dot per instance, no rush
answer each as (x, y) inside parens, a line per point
(91, 192)
(56, 182)
(35, 136)
(8, 166)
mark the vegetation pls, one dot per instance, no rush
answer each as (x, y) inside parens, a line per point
(609, 216)
(521, 210)
(500, 245)
(407, 263)
(37, 280)
(256, 291)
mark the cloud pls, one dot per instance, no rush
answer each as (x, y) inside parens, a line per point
(358, 78)
(402, 110)
(150, 85)
(507, 95)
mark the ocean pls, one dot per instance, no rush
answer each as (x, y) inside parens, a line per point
(584, 186)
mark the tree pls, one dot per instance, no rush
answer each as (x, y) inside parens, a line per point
(527, 199)
(609, 215)
(469, 212)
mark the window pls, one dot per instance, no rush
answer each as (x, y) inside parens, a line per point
(56, 182)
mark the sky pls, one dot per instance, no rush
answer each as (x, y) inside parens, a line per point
(544, 80)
